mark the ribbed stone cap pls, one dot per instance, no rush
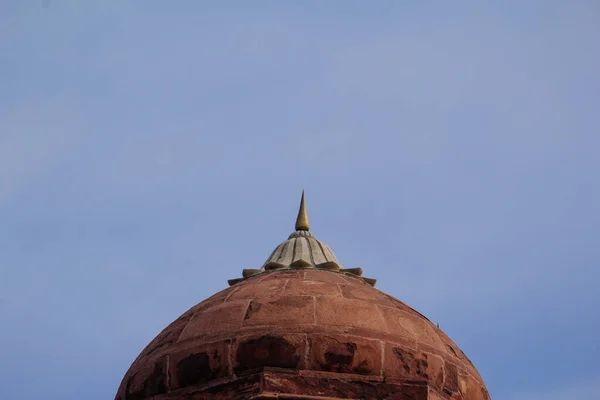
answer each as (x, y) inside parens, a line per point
(302, 251)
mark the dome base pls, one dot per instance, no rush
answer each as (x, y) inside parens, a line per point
(278, 383)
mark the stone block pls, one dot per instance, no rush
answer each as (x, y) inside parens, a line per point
(262, 289)
(450, 378)
(364, 292)
(269, 350)
(326, 276)
(349, 313)
(311, 288)
(344, 354)
(198, 364)
(471, 389)
(150, 379)
(411, 326)
(281, 275)
(283, 311)
(226, 317)
(406, 363)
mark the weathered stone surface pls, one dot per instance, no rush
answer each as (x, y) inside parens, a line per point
(280, 351)
(365, 293)
(245, 387)
(406, 363)
(327, 335)
(450, 378)
(435, 394)
(350, 313)
(262, 289)
(199, 364)
(281, 276)
(286, 310)
(328, 277)
(470, 389)
(346, 354)
(340, 386)
(148, 380)
(311, 288)
(411, 326)
(226, 317)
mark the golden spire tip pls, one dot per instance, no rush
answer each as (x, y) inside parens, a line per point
(302, 220)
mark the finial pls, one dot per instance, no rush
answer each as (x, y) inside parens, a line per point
(302, 220)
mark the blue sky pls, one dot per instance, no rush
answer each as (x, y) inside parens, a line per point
(149, 151)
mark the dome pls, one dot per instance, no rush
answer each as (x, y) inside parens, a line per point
(302, 330)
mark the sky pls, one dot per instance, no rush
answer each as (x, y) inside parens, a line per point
(151, 150)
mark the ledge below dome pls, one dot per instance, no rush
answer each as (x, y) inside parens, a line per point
(350, 272)
(280, 383)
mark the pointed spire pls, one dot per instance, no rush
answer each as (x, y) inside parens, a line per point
(302, 220)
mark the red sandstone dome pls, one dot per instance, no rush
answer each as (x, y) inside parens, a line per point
(302, 327)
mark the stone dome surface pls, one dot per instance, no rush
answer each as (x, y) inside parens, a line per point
(302, 327)
(309, 323)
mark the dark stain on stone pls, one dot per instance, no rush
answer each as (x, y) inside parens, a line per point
(195, 369)
(421, 367)
(339, 358)
(363, 368)
(451, 381)
(411, 365)
(155, 384)
(266, 351)
(452, 350)
(252, 308)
